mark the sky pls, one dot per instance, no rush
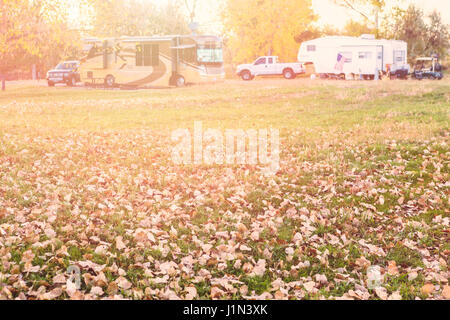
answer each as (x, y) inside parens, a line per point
(331, 14)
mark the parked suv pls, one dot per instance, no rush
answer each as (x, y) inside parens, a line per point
(65, 72)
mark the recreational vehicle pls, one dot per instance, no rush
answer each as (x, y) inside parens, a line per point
(351, 56)
(152, 61)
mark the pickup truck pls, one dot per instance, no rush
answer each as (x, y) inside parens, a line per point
(269, 66)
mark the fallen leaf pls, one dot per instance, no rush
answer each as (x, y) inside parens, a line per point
(309, 286)
(97, 291)
(427, 289)
(216, 293)
(381, 293)
(446, 292)
(395, 296)
(260, 268)
(191, 293)
(120, 245)
(392, 268)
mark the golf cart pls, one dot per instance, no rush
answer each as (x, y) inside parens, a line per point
(428, 68)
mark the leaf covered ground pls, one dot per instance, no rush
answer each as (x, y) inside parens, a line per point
(86, 180)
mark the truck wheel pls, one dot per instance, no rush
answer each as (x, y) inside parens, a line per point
(180, 82)
(109, 81)
(246, 76)
(288, 74)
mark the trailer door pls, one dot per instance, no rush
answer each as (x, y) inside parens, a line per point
(367, 60)
(380, 58)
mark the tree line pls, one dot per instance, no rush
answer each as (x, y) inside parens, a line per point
(41, 33)
(257, 27)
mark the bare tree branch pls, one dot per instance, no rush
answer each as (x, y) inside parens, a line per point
(191, 10)
(348, 4)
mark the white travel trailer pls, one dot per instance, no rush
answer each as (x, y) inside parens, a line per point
(351, 56)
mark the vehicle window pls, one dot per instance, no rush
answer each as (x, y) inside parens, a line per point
(189, 55)
(260, 61)
(210, 52)
(270, 60)
(147, 55)
(155, 55)
(63, 66)
(311, 48)
(139, 56)
(365, 55)
(348, 56)
(400, 55)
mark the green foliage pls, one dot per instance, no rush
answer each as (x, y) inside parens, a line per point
(356, 29)
(33, 32)
(404, 256)
(423, 38)
(117, 18)
(266, 27)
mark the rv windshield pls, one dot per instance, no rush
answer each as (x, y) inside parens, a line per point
(210, 53)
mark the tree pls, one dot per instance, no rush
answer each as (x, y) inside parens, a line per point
(18, 34)
(62, 42)
(191, 7)
(170, 19)
(32, 32)
(307, 35)
(423, 39)
(356, 29)
(329, 30)
(115, 18)
(259, 27)
(369, 9)
(437, 36)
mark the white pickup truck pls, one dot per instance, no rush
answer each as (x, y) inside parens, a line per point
(269, 66)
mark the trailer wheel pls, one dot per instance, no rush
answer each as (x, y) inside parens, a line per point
(180, 82)
(109, 81)
(288, 74)
(246, 75)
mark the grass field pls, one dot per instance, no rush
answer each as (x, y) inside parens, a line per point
(87, 180)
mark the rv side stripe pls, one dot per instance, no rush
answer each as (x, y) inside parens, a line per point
(157, 73)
